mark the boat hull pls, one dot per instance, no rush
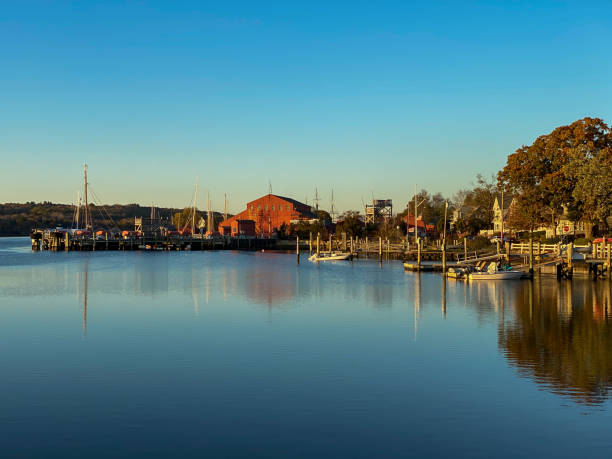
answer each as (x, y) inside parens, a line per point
(500, 275)
(333, 257)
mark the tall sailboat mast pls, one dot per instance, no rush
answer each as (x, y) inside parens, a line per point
(88, 226)
(225, 207)
(209, 222)
(195, 203)
(78, 210)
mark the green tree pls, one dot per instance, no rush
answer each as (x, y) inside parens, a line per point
(543, 175)
(594, 187)
(351, 224)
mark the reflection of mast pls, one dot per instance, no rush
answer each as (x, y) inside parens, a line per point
(444, 296)
(84, 331)
(417, 302)
(207, 286)
(194, 294)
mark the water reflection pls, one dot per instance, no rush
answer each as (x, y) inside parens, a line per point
(86, 276)
(558, 334)
(561, 337)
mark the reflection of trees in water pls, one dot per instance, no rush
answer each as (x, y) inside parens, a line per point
(562, 338)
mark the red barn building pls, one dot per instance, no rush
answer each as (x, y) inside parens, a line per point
(268, 213)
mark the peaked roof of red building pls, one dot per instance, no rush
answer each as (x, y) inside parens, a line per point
(284, 198)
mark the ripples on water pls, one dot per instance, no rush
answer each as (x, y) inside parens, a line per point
(230, 354)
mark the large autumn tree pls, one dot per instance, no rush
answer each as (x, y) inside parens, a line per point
(544, 175)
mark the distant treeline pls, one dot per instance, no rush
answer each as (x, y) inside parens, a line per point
(19, 219)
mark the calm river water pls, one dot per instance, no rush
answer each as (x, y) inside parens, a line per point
(227, 354)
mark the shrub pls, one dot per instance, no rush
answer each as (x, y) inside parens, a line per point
(479, 242)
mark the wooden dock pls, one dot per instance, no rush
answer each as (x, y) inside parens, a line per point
(58, 240)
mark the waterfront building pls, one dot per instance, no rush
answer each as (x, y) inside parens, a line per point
(423, 229)
(268, 214)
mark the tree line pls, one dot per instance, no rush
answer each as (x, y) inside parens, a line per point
(565, 173)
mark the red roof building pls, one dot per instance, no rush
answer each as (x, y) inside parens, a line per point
(268, 213)
(422, 228)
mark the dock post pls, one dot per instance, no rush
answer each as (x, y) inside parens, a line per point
(310, 243)
(388, 248)
(343, 241)
(531, 255)
(508, 252)
(351, 245)
(380, 251)
(497, 246)
(330, 243)
(608, 259)
(318, 244)
(297, 249)
(66, 242)
(465, 248)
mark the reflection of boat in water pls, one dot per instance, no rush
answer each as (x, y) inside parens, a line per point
(334, 256)
(495, 272)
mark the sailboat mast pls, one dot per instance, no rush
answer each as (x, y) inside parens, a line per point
(78, 209)
(209, 222)
(88, 226)
(225, 206)
(195, 202)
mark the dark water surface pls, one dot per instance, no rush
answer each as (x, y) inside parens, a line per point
(227, 354)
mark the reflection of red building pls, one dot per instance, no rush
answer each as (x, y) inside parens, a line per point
(269, 213)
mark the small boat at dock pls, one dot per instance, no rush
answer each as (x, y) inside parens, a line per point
(495, 272)
(334, 256)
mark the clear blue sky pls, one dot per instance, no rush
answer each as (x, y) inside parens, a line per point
(359, 96)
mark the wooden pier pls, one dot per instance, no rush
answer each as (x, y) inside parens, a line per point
(58, 240)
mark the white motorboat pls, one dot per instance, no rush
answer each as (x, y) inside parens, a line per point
(335, 256)
(493, 272)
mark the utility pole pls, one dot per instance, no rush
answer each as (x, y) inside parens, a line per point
(416, 232)
(269, 208)
(445, 211)
(502, 217)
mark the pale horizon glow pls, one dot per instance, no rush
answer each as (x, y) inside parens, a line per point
(362, 98)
